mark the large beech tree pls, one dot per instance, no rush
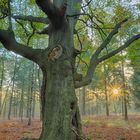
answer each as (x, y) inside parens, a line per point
(60, 113)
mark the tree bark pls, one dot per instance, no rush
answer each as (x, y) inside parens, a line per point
(59, 99)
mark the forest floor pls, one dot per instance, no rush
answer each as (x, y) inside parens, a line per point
(94, 128)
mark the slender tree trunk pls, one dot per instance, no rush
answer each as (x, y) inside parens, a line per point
(115, 108)
(35, 89)
(39, 85)
(82, 100)
(122, 106)
(125, 108)
(21, 101)
(5, 109)
(12, 92)
(15, 102)
(105, 90)
(31, 94)
(21, 105)
(17, 105)
(124, 93)
(1, 82)
(88, 105)
(33, 106)
(107, 106)
(97, 105)
(28, 100)
(4, 100)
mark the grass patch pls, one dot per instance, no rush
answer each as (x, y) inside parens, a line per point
(111, 122)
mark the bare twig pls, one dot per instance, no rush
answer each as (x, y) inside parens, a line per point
(80, 136)
(33, 32)
(81, 45)
(7, 38)
(80, 59)
(26, 32)
(86, 4)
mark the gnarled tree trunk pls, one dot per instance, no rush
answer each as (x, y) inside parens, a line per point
(61, 120)
(60, 113)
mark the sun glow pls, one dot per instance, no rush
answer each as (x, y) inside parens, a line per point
(115, 91)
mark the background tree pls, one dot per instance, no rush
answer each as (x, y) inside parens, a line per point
(133, 55)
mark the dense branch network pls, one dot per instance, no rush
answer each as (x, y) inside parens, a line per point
(55, 15)
(7, 37)
(8, 40)
(129, 42)
(94, 61)
(103, 46)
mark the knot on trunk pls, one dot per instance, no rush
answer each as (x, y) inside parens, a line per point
(76, 52)
(55, 53)
(72, 105)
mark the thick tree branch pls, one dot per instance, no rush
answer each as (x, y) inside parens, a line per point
(109, 37)
(31, 18)
(9, 16)
(85, 81)
(47, 7)
(94, 59)
(129, 42)
(55, 14)
(88, 78)
(8, 40)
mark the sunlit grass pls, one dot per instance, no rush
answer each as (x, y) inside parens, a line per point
(112, 122)
(138, 127)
